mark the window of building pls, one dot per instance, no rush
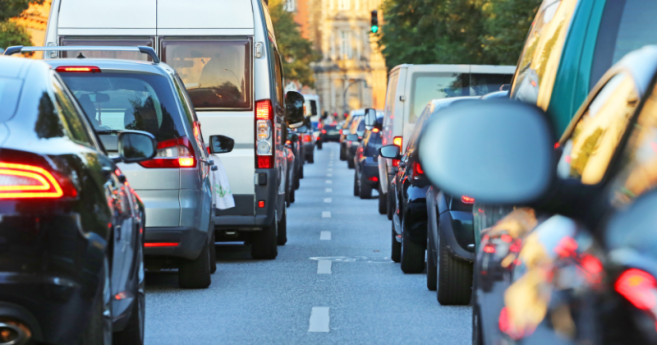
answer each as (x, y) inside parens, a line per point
(345, 45)
(290, 5)
(344, 5)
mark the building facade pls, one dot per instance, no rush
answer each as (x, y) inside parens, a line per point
(351, 73)
(35, 21)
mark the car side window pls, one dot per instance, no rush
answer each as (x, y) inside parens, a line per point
(70, 117)
(278, 84)
(598, 130)
(638, 161)
(390, 100)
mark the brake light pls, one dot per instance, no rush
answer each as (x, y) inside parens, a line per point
(261, 204)
(395, 163)
(467, 200)
(506, 238)
(307, 138)
(397, 141)
(288, 142)
(160, 244)
(319, 125)
(374, 179)
(340, 132)
(375, 130)
(638, 287)
(489, 248)
(77, 69)
(172, 153)
(323, 131)
(21, 181)
(264, 134)
(417, 169)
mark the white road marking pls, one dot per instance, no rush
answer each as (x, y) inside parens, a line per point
(329, 181)
(326, 214)
(329, 190)
(329, 175)
(330, 169)
(319, 320)
(325, 236)
(324, 267)
(328, 200)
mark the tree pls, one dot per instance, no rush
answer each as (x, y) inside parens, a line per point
(297, 52)
(11, 33)
(506, 28)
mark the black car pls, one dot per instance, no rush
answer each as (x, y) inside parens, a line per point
(346, 130)
(574, 262)
(71, 226)
(366, 176)
(357, 128)
(329, 133)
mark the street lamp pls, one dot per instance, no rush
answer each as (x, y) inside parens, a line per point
(344, 95)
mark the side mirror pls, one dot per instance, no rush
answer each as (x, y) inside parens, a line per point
(221, 144)
(390, 151)
(294, 113)
(352, 137)
(136, 146)
(506, 159)
(370, 118)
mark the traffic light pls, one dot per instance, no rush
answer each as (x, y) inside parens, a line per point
(375, 22)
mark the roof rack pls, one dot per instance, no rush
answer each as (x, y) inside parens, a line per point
(141, 49)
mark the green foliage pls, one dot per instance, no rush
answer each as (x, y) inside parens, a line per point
(14, 8)
(455, 31)
(297, 52)
(12, 34)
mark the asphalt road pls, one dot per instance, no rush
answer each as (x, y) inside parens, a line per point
(333, 283)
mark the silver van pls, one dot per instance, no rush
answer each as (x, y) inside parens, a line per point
(226, 55)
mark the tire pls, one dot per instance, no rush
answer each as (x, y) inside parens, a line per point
(412, 254)
(195, 274)
(383, 202)
(264, 243)
(311, 159)
(390, 200)
(300, 173)
(292, 194)
(297, 183)
(432, 270)
(213, 252)
(356, 189)
(395, 254)
(365, 188)
(454, 279)
(343, 153)
(350, 163)
(281, 237)
(319, 145)
(99, 329)
(477, 335)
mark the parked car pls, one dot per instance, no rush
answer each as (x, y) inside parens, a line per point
(366, 174)
(71, 224)
(411, 87)
(229, 62)
(578, 249)
(409, 221)
(307, 141)
(357, 129)
(345, 130)
(330, 132)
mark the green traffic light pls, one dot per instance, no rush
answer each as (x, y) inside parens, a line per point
(375, 28)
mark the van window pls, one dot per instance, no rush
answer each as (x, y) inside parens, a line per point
(216, 72)
(428, 86)
(390, 100)
(626, 25)
(278, 78)
(135, 101)
(313, 108)
(485, 83)
(99, 41)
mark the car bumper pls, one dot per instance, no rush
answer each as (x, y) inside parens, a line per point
(188, 242)
(371, 173)
(308, 149)
(415, 216)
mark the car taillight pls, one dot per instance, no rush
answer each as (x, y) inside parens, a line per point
(340, 132)
(489, 248)
(395, 163)
(172, 153)
(307, 138)
(374, 179)
(638, 287)
(77, 69)
(417, 169)
(467, 200)
(288, 142)
(397, 141)
(323, 131)
(22, 181)
(264, 134)
(375, 130)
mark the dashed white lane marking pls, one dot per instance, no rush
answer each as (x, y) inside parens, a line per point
(329, 190)
(328, 200)
(330, 169)
(324, 267)
(326, 214)
(319, 320)
(329, 181)
(329, 175)
(325, 236)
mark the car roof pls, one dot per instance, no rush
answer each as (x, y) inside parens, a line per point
(116, 64)
(16, 68)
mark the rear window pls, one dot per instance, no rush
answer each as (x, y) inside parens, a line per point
(72, 41)
(313, 108)
(10, 90)
(120, 101)
(216, 73)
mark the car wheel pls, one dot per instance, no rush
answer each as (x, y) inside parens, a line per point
(350, 163)
(281, 238)
(412, 254)
(383, 201)
(395, 254)
(297, 182)
(264, 243)
(432, 270)
(343, 153)
(300, 174)
(292, 195)
(477, 336)
(311, 159)
(99, 329)
(391, 202)
(356, 189)
(319, 145)
(365, 188)
(213, 251)
(133, 334)
(454, 278)
(195, 274)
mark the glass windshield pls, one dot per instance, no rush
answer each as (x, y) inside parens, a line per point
(119, 101)
(10, 89)
(147, 42)
(217, 74)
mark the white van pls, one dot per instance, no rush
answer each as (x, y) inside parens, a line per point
(225, 53)
(411, 87)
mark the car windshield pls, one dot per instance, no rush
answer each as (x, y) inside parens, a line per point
(9, 91)
(132, 101)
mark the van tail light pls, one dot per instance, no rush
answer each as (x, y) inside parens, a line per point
(397, 141)
(172, 153)
(77, 69)
(638, 287)
(22, 181)
(417, 169)
(264, 134)
(467, 200)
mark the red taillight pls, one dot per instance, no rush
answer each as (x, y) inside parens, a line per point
(375, 130)
(323, 131)
(467, 200)
(374, 179)
(319, 125)
(489, 248)
(264, 110)
(397, 141)
(288, 142)
(172, 153)
(417, 169)
(638, 287)
(160, 244)
(395, 163)
(21, 181)
(265, 162)
(340, 132)
(307, 138)
(261, 204)
(506, 238)
(77, 69)
(264, 129)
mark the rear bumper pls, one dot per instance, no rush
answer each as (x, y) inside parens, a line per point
(415, 216)
(308, 149)
(190, 242)
(370, 170)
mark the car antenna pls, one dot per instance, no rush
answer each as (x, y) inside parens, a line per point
(81, 56)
